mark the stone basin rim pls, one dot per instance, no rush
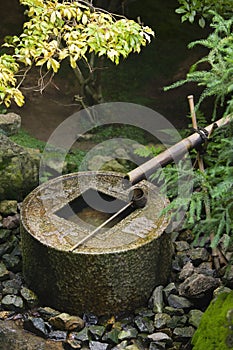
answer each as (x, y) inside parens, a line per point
(85, 250)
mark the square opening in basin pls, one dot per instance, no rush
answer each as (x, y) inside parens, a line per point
(94, 207)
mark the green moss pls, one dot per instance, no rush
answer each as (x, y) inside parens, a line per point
(23, 139)
(216, 328)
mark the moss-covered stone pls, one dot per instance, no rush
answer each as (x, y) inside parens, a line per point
(18, 170)
(216, 328)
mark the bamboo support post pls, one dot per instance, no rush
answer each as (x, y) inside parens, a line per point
(216, 253)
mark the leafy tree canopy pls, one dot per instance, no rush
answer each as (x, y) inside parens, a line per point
(68, 29)
(200, 9)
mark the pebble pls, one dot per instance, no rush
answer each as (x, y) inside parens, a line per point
(179, 302)
(36, 325)
(8, 207)
(11, 222)
(167, 322)
(66, 322)
(198, 285)
(4, 273)
(12, 302)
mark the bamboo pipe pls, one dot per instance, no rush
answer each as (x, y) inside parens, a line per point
(173, 153)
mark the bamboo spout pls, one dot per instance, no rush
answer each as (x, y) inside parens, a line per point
(173, 153)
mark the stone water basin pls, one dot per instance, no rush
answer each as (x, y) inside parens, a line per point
(114, 271)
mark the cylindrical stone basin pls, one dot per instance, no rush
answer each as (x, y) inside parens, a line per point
(115, 270)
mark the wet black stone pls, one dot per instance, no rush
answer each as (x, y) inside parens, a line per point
(199, 255)
(121, 346)
(57, 335)
(81, 335)
(96, 331)
(15, 284)
(128, 333)
(183, 333)
(112, 336)
(144, 312)
(36, 325)
(161, 320)
(12, 302)
(29, 296)
(144, 324)
(173, 311)
(90, 319)
(95, 345)
(4, 235)
(156, 300)
(12, 262)
(179, 302)
(177, 321)
(198, 286)
(47, 312)
(4, 273)
(182, 246)
(170, 289)
(156, 346)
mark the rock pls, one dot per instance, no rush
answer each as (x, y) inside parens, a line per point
(19, 170)
(4, 235)
(133, 347)
(170, 289)
(161, 320)
(95, 345)
(178, 302)
(72, 344)
(128, 333)
(197, 286)
(8, 246)
(156, 299)
(198, 255)
(156, 346)
(13, 337)
(205, 268)
(57, 335)
(144, 312)
(160, 337)
(220, 290)
(47, 312)
(10, 123)
(82, 335)
(177, 321)
(66, 322)
(36, 325)
(186, 271)
(195, 317)
(29, 296)
(12, 302)
(182, 246)
(228, 277)
(121, 346)
(96, 331)
(8, 207)
(215, 327)
(12, 262)
(112, 336)
(173, 311)
(13, 284)
(5, 314)
(182, 333)
(11, 222)
(4, 273)
(90, 319)
(144, 324)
